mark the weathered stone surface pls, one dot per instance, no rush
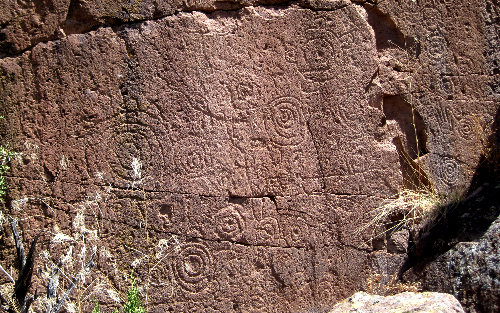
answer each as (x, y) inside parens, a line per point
(458, 253)
(25, 23)
(470, 271)
(231, 157)
(403, 302)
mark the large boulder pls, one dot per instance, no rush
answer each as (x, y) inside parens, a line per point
(425, 302)
(470, 271)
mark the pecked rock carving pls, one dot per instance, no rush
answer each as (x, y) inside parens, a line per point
(230, 151)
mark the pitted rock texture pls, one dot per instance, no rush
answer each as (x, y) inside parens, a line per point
(470, 271)
(23, 24)
(231, 157)
(404, 302)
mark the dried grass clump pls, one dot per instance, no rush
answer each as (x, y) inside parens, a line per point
(408, 209)
(376, 284)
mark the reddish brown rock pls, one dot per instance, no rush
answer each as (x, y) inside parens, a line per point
(25, 23)
(231, 157)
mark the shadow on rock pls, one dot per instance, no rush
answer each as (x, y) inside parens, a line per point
(458, 252)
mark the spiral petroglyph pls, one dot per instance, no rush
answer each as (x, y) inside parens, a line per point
(284, 121)
(131, 145)
(449, 171)
(192, 159)
(317, 55)
(267, 229)
(466, 128)
(436, 47)
(230, 224)
(193, 267)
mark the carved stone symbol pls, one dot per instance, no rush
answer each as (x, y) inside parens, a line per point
(449, 171)
(436, 47)
(130, 155)
(284, 122)
(230, 224)
(193, 267)
(466, 128)
(317, 55)
(267, 229)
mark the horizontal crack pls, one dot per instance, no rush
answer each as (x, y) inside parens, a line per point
(100, 219)
(154, 229)
(228, 196)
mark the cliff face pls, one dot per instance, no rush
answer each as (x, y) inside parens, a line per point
(230, 151)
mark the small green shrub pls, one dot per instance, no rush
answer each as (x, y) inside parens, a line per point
(133, 304)
(97, 308)
(5, 156)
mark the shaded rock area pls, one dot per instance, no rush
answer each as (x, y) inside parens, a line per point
(470, 271)
(404, 302)
(229, 151)
(458, 253)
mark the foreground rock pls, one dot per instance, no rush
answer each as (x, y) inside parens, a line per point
(425, 302)
(470, 271)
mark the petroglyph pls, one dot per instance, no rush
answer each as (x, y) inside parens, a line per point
(193, 267)
(259, 136)
(468, 129)
(230, 224)
(449, 171)
(285, 122)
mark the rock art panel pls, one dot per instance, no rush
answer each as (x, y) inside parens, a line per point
(24, 24)
(229, 152)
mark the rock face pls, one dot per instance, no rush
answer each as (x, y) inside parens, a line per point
(459, 254)
(403, 302)
(229, 152)
(470, 271)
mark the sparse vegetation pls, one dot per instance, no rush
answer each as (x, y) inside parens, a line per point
(407, 210)
(388, 286)
(15, 296)
(133, 304)
(97, 308)
(5, 156)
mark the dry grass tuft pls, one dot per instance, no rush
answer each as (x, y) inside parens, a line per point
(408, 209)
(376, 284)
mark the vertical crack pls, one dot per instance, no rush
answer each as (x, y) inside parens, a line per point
(322, 172)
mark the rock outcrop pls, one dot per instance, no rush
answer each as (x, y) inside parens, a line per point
(404, 302)
(230, 151)
(459, 253)
(470, 271)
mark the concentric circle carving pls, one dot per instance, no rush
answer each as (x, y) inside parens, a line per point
(193, 267)
(134, 150)
(285, 123)
(317, 55)
(466, 128)
(230, 224)
(267, 229)
(437, 47)
(449, 171)
(192, 161)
